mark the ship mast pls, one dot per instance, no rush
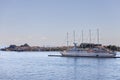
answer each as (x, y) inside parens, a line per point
(74, 35)
(82, 36)
(67, 40)
(98, 36)
(90, 35)
(75, 44)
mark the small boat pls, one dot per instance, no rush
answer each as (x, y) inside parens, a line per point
(88, 50)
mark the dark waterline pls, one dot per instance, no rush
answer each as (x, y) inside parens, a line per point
(39, 66)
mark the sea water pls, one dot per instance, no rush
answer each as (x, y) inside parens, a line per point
(39, 66)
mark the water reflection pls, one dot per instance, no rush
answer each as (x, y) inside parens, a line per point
(89, 68)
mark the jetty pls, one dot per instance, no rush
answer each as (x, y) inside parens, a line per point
(82, 56)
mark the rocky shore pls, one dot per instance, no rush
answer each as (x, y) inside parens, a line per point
(26, 47)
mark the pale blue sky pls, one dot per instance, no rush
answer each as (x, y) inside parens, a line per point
(46, 22)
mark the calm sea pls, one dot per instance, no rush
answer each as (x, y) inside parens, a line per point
(38, 66)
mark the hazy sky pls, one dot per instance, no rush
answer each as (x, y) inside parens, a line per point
(46, 22)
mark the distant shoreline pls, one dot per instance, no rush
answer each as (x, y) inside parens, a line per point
(26, 47)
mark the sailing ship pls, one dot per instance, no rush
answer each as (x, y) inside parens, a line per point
(88, 49)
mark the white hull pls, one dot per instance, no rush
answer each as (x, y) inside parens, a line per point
(86, 54)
